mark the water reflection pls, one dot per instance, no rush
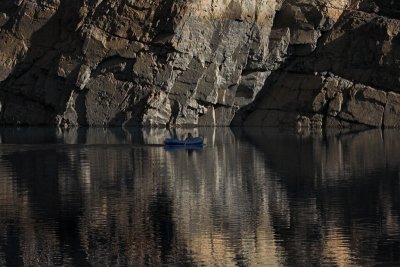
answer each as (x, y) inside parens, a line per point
(251, 197)
(342, 192)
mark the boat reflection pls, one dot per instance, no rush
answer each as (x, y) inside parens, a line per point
(185, 148)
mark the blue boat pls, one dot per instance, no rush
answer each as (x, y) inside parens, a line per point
(197, 141)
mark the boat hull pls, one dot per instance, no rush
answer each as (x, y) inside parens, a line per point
(198, 141)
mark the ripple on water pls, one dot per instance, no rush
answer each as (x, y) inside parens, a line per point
(246, 199)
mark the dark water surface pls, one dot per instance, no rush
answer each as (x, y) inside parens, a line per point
(251, 197)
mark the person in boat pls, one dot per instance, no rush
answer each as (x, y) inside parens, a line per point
(189, 137)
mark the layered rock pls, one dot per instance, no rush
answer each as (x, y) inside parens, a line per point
(350, 79)
(175, 62)
(133, 62)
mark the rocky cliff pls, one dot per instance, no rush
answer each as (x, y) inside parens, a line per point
(307, 63)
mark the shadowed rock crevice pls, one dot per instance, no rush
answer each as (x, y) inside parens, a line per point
(34, 84)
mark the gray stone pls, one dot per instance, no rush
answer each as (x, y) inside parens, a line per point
(392, 111)
(319, 102)
(3, 19)
(362, 110)
(272, 118)
(335, 105)
(301, 37)
(316, 121)
(83, 77)
(303, 122)
(332, 87)
(66, 67)
(158, 110)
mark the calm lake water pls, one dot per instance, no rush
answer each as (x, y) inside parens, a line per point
(250, 197)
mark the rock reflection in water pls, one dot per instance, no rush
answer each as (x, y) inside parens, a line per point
(341, 193)
(251, 197)
(134, 206)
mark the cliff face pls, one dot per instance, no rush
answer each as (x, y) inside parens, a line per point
(350, 77)
(214, 62)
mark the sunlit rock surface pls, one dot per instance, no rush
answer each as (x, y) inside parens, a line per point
(175, 62)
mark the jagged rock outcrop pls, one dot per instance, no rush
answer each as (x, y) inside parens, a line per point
(349, 78)
(212, 62)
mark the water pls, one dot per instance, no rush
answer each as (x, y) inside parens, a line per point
(251, 197)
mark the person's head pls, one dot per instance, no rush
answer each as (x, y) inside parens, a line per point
(190, 135)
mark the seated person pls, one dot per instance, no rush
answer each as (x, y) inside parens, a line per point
(189, 137)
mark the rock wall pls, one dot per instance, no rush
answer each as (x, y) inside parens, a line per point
(347, 77)
(310, 63)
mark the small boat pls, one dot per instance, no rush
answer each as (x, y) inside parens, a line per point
(197, 141)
